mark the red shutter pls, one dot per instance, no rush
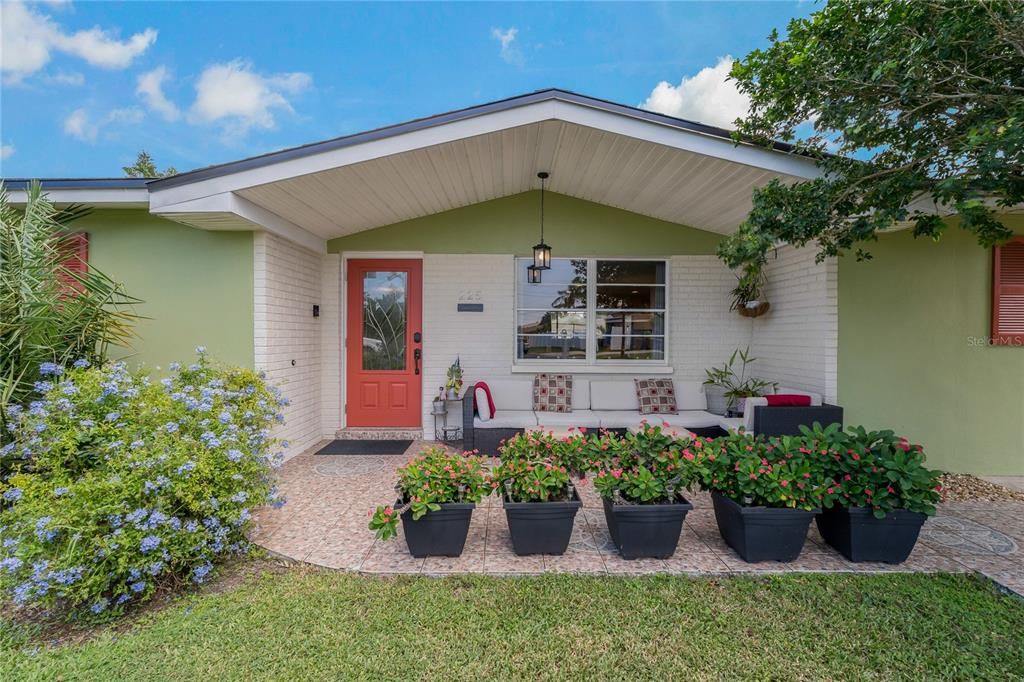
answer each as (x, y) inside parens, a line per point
(1008, 293)
(76, 246)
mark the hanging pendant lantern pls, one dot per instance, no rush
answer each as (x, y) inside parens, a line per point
(541, 252)
(533, 274)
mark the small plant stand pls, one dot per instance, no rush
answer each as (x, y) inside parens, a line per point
(443, 431)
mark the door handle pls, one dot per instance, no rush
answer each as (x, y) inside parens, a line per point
(416, 355)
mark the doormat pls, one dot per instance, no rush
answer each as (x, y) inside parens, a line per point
(365, 447)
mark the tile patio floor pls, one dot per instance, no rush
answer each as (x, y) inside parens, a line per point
(324, 523)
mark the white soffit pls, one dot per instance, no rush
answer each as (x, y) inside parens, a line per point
(658, 170)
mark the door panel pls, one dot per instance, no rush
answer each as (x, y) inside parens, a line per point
(384, 310)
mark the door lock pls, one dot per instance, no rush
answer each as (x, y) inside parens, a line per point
(416, 355)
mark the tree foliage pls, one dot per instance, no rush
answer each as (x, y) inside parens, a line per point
(145, 167)
(916, 111)
(49, 313)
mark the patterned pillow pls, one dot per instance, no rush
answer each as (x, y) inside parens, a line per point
(656, 396)
(552, 393)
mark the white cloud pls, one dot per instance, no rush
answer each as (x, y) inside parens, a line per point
(28, 38)
(706, 97)
(67, 78)
(81, 126)
(510, 53)
(240, 99)
(150, 88)
(6, 151)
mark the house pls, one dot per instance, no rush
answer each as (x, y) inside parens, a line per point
(270, 262)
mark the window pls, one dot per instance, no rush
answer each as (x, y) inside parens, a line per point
(1008, 293)
(592, 311)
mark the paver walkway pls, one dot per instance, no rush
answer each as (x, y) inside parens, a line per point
(324, 523)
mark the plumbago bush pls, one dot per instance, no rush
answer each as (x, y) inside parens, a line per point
(765, 472)
(874, 469)
(435, 477)
(121, 483)
(653, 465)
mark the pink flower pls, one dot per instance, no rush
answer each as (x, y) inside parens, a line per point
(583, 429)
(784, 483)
(617, 473)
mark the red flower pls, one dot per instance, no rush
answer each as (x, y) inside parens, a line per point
(784, 483)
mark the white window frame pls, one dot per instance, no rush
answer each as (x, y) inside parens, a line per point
(590, 363)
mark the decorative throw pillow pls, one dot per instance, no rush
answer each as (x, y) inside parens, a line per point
(788, 400)
(552, 393)
(656, 396)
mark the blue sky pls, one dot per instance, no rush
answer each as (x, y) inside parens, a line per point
(86, 85)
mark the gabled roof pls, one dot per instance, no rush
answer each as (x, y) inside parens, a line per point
(550, 94)
(78, 183)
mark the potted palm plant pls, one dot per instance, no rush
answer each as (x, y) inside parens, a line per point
(641, 480)
(538, 496)
(724, 384)
(437, 492)
(879, 493)
(765, 493)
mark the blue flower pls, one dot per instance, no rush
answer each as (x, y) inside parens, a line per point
(171, 427)
(149, 543)
(44, 533)
(174, 366)
(13, 495)
(235, 455)
(81, 363)
(136, 444)
(122, 599)
(42, 386)
(155, 567)
(50, 369)
(138, 586)
(87, 423)
(186, 467)
(200, 350)
(57, 492)
(240, 496)
(68, 388)
(11, 564)
(100, 606)
(112, 416)
(200, 572)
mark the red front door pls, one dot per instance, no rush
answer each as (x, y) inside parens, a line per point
(383, 342)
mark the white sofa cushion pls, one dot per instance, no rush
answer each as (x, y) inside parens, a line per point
(690, 395)
(580, 394)
(623, 419)
(614, 394)
(508, 419)
(512, 394)
(483, 406)
(816, 398)
(584, 418)
(690, 419)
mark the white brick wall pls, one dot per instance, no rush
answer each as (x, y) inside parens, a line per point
(483, 341)
(704, 331)
(797, 342)
(332, 383)
(287, 282)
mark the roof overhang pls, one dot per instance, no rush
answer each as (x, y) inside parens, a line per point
(628, 158)
(98, 192)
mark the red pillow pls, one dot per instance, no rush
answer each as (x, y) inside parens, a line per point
(788, 400)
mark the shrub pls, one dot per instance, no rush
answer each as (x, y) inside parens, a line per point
(435, 477)
(532, 480)
(120, 483)
(875, 469)
(567, 451)
(648, 466)
(764, 472)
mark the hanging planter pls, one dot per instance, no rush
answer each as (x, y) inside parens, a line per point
(754, 308)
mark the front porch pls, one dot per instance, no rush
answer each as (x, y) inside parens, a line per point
(324, 523)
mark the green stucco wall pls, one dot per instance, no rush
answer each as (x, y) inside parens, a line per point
(511, 225)
(196, 286)
(912, 353)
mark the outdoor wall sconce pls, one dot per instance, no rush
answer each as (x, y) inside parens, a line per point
(316, 310)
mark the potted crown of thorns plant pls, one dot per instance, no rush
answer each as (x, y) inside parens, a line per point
(437, 492)
(641, 479)
(539, 498)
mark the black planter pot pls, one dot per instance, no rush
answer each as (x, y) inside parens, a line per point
(541, 527)
(646, 530)
(762, 533)
(438, 533)
(859, 536)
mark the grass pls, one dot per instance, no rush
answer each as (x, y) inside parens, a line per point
(301, 624)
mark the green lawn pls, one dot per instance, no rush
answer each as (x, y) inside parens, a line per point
(320, 625)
